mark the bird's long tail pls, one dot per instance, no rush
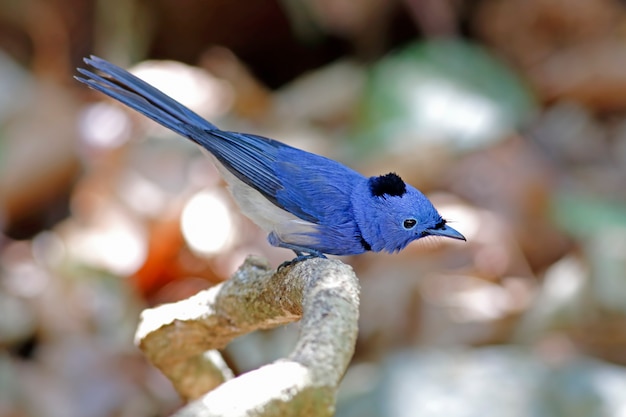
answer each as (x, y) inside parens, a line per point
(141, 96)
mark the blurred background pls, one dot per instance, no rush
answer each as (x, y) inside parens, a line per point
(509, 114)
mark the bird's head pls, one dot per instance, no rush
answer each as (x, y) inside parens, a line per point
(398, 214)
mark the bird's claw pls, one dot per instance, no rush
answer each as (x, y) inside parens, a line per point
(301, 257)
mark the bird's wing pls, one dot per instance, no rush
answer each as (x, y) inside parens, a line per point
(316, 185)
(250, 158)
(311, 187)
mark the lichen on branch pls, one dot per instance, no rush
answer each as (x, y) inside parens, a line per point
(181, 339)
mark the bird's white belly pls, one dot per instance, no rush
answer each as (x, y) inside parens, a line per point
(271, 218)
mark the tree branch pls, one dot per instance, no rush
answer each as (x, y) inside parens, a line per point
(180, 339)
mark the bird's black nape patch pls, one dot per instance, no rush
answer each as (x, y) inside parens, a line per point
(390, 184)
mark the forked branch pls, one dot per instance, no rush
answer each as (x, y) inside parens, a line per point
(181, 339)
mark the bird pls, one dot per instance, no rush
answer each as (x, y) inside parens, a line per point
(306, 202)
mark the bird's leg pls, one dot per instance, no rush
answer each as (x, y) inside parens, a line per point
(302, 257)
(302, 254)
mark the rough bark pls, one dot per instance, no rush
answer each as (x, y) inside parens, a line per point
(181, 339)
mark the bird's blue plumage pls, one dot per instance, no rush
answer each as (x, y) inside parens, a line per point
(306, 202)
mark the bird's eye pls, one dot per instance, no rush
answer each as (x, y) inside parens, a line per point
(409, 223)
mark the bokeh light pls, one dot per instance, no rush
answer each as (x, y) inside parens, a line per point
(114, 241)
(104, 125)
(191, 86)
(206, 223)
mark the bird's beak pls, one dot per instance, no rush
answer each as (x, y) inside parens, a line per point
(445, 231)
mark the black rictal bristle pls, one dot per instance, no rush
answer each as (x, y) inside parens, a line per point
(390, 184)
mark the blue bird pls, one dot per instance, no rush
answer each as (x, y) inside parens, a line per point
(306, 202)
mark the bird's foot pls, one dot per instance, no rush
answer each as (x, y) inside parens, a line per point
(300, 256)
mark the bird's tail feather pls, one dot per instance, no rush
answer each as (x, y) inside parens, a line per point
(141, 96)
